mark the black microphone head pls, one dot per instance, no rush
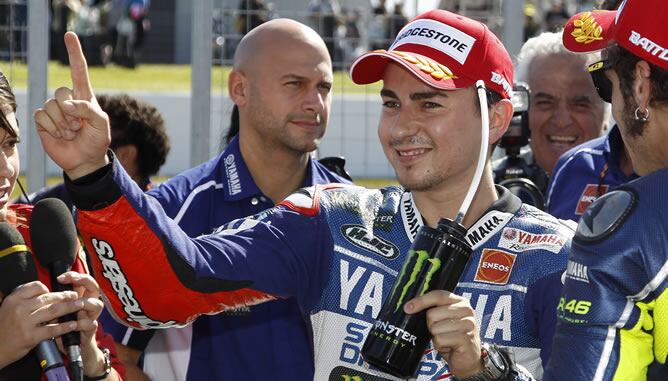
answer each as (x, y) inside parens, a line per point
(52, 232)
(16, 264)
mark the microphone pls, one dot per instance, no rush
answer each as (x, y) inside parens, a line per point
(17, 268)
(55, 243)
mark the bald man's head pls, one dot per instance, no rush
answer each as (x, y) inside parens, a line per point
(277, 36)
(281, 84)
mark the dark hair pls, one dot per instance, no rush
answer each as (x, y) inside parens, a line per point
(624, 64)
(234, 125)
(493, 98)
(140, 124)
(7, 105)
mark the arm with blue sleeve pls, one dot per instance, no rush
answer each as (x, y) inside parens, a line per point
(155, 276)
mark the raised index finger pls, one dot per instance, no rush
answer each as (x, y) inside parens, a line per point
(78, 68)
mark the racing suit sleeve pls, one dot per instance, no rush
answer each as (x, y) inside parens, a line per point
(539, 309)
(606, 319)
(155, 276)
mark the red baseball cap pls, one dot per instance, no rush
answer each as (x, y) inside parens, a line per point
(637, 26)
(446, 51)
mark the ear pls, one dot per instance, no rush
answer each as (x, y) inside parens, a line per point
(237, 87)
(641, 85)
(499, 119)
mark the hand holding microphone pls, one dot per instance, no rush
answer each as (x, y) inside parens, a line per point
(55, 244)
(89, 294)
(26, 307)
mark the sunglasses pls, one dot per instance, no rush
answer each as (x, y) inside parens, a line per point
(601, 82)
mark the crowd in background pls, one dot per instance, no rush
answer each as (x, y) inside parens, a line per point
(114, 30)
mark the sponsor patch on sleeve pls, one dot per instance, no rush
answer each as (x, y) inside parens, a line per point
(589, 195)
(495, 266)
(605, 215)
(519, 240)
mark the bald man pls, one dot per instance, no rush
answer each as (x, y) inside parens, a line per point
(281, 84)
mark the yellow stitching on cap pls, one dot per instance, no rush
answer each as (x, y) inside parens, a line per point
(586, 29)
(436, 70)
(406, 57)
(423, 61)
(446, 70)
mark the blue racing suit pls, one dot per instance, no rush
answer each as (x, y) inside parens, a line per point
(613, 314)
(337, 249)
(585, 173)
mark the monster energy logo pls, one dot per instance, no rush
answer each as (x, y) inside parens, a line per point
(351, 378)
(421, 260)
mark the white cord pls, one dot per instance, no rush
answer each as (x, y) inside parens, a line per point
(482, 157)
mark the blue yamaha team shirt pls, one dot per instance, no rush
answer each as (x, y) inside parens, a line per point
(585, 173)
(268, 341)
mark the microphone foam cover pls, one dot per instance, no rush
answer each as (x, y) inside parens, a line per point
(52, 232)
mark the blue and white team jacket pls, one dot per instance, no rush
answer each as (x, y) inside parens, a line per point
(613, 314)
(585, 173)
(336, 249)
(267, 341)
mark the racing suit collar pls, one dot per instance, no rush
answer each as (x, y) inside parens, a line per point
(507, 203)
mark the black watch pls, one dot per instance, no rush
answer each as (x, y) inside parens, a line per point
(107, 367)
(495, 366)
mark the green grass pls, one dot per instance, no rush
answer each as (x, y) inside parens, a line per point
(152, 78)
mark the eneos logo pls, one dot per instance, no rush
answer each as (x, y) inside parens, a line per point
(495, 266)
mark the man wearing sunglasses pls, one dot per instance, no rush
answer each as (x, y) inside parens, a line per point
(613, 313)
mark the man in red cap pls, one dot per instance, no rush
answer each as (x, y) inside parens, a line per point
(613, 313)
(338, 249)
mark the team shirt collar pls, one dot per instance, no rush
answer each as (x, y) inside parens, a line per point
(237, 180)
